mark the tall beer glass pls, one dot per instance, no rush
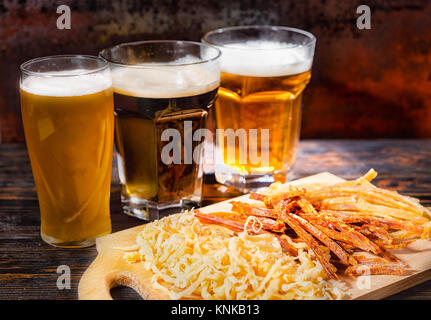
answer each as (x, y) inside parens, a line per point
(68, 116)
(163, 91)
(264, 72)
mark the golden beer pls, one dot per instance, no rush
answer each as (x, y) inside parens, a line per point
(272, 103)
(264, 71)
(69, 124)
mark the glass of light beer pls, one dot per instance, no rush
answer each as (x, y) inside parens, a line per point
(163, 91)
(68, 117)
(264, 70)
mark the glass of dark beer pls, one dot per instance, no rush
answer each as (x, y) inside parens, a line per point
(163, 91)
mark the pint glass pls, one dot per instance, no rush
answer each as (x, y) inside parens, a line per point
(163, 91)
(68, 118)
(264, 71)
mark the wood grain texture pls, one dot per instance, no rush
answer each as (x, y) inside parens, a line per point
(28, 265)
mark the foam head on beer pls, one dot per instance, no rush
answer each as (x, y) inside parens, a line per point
(180, 78)
(53, 84)
(263, 58)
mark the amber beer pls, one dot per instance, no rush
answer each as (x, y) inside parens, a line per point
(264, 72)
(140, 120)
(161, 87)
(68, 120)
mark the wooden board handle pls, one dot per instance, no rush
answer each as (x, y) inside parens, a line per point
(108, 271)
(97, 281)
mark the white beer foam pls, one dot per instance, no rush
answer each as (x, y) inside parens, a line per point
(153, 80)
(57, 85)
(265, 58)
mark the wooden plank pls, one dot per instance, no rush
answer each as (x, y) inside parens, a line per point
(28, 265)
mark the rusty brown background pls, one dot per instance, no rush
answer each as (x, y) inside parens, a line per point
(366, 83)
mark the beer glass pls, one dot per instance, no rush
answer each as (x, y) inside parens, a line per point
(264, 70)
(163, 91)
(68, 117)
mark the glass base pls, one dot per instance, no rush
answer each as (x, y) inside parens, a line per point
(249, 183)
(70, 244)
(149, 210)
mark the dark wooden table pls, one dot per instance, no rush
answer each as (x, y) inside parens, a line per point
(28, 265)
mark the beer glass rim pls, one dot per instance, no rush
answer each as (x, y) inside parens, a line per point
(311, 38)
(167, 64)
(65, 73)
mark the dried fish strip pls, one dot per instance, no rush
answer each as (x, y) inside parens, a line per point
(350, 220)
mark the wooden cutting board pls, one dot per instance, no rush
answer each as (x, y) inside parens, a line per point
(109, 269)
